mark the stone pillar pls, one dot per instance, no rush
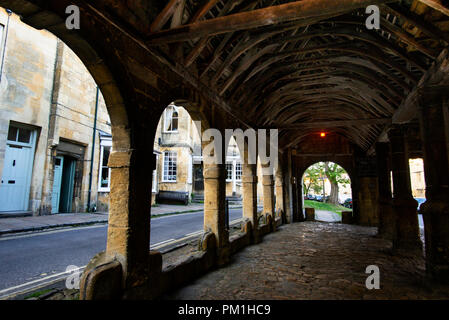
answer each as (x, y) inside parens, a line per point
(129, 214)
(387, 219)
(300, 211)
(368, 201)
(404, 205)
(214, 204)
(249, 181)
(268, 193)
(279, 190)
(434, 123)
(288, 186)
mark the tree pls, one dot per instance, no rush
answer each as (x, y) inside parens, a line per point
(337, 176)
(311, 179)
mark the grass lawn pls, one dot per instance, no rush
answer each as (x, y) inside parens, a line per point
(325, 206)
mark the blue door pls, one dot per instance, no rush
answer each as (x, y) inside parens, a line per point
(57, 179)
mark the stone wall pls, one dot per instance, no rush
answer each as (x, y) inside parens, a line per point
(38, 70)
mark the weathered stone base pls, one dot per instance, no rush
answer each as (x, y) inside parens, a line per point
(103, 278)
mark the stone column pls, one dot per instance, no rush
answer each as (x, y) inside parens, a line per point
(279, 190)
(434, 123)
(387, 219)
(404, 205)
(300, 214)
(288, 186)
(268, 192)
(129, 214)
(214, 203)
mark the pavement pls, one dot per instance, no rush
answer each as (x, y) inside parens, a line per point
(38, 223)
(327, 216)
(316, 260)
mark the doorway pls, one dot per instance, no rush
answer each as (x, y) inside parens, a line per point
(17, 169)
(63, 184)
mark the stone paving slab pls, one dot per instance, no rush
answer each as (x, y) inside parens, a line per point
(314, 260)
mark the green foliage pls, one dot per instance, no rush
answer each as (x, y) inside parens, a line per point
(325, 206)
(335, 173)
(312, 180)
(314, 175)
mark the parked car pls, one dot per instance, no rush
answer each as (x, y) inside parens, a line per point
(319, 198)
(348, 203)
(309, 197)
(420, 202)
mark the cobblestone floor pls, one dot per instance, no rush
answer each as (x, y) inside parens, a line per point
(315, 261)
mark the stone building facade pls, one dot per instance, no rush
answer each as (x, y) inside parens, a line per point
(50, 153)
(179, 157)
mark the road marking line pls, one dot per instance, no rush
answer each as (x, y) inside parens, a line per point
(41, 279)
(162, 242)
(194, 233)
(155, 246)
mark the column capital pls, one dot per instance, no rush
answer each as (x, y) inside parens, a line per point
(249, 179)
(214, 172)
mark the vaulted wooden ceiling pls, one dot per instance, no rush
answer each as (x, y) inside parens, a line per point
(300, 66)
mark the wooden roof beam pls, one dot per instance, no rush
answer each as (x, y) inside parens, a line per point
(308, 10)
(416, 20)
(436, 6)
(165, 15)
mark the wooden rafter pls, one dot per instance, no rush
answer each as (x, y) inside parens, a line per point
(436, 5)
(307, 10)
(165, 15)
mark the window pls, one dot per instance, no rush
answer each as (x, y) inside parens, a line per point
(190, 171)
(154, 184)
(104, 182)
(2, 53)
(21, 135)
(238, 171)
(171, 119)
(229, 169)
(170, 167)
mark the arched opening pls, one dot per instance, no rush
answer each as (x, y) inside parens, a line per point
(61, 106)
(418, 186)
(177, 214)
(326, 187)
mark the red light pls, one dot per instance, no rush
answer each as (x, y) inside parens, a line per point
(323, 134)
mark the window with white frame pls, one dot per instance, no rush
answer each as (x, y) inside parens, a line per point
(190, 170)
(229, 169)
(154, 187)
(170, 166)
(2, 27)
(171, 119)
(104, 180)
(238, 171)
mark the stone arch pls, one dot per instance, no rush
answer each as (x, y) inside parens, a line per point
(344, 163)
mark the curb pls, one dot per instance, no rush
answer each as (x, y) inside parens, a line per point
(65, 225)
(35, 229)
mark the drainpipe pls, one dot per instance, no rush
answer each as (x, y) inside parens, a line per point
(9, 12)
(93, 151)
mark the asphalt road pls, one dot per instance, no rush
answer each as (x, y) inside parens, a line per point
(30, 257)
